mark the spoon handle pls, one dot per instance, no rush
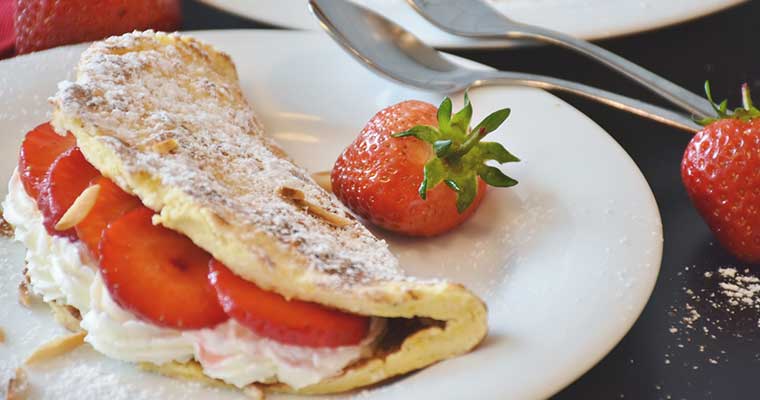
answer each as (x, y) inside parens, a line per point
(615, 100)
(479, 19)
(676, 94)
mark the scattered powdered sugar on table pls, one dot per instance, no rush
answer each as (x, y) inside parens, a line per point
(742, 291)
(721, 306)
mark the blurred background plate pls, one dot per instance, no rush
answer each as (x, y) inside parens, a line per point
(588, 19)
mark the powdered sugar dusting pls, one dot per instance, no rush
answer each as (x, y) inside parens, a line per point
(720, 310)
(84, 374)
(742, 291)
(142, 89)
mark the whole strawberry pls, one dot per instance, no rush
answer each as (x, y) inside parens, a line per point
(721, 172)
(418, 170)
(41, 24)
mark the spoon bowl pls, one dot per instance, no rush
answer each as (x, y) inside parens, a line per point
(391, 51)
(407, 59)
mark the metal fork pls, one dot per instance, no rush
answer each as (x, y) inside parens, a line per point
(477, 19)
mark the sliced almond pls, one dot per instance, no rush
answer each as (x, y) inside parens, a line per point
(24, 294)
(277, 150)
(290, 193)
(253, 392)
(56, 347)
(323, 180)
(17, 386)
(6, 229)
(2, 335)
(330, 217)
(80, 209)
(166, 146)
(67, 316)
(298, 198)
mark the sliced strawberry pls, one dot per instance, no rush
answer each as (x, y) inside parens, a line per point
(111, 204)
(40, 148)
(158, 274)
(67, 178)
(286, 321)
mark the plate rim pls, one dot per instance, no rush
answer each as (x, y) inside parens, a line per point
(468, 43)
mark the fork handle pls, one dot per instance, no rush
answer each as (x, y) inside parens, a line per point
(676, 94)
(615, 100)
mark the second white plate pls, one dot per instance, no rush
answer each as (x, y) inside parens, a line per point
(587, 19)
(566, 260)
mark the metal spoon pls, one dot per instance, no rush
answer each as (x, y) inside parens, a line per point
(395, 53)
(477, 19)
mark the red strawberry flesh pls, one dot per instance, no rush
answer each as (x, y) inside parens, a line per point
(41, 147)
(43, 24)
(378, 176)
(286, 321)
(158, 274)
(69, 175)
(111, 204)
(721, 173)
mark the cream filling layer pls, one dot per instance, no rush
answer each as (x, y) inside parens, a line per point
(58, 269)
(63, 271)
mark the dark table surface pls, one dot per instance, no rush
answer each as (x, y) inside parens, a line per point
(661, 357)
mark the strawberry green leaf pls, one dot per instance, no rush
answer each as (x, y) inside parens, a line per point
(442, 148)
(422, 132)
(444, 116)
(495, 151)
(453, 185)
(494, 177)
(460, 122)
(434, 173)
(723, 108)
(493, 121)
(460, 156)
(745, 113)
(467, 192)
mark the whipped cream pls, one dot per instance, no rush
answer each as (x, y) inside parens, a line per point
(235, 354)
(64, 271)
(119, 334)
(59, 270)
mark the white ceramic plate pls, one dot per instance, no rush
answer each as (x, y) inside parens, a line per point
(566, 260)
(588, 19)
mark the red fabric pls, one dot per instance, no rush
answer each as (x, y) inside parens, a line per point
(7, 35)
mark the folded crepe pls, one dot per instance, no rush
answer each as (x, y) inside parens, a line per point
(163, 116)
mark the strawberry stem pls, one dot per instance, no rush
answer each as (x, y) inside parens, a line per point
(747, 112)
(473, 139)
(746, 98)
